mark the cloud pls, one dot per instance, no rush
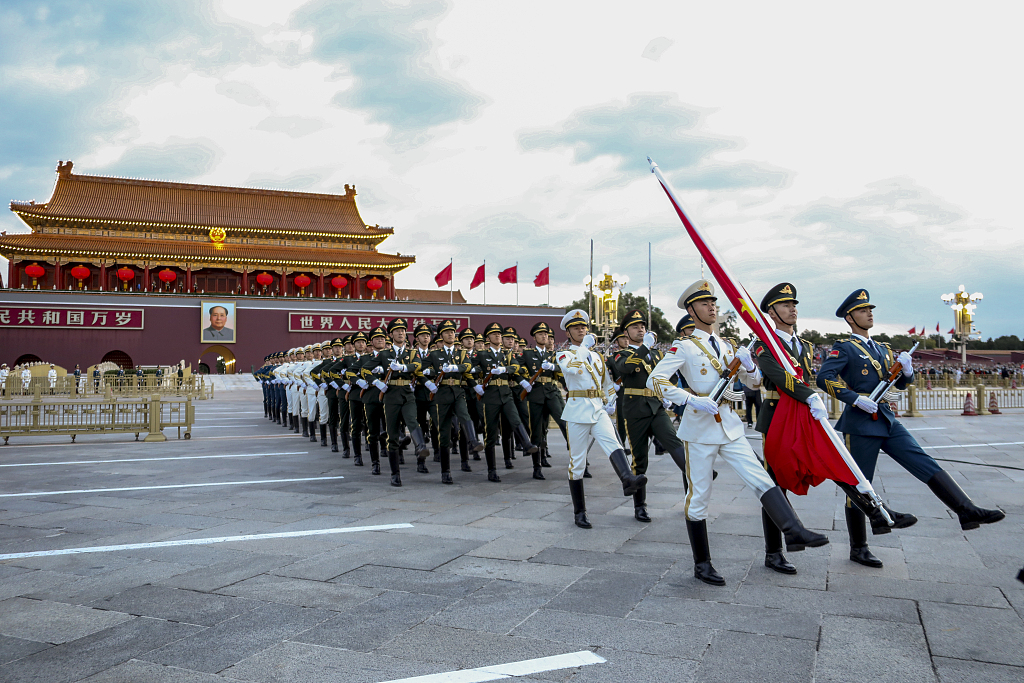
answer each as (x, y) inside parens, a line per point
(292, 126)
(387, 48)
(654, 124)
(656, 48)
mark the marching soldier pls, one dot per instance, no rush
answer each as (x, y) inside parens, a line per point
(701, 359)
(468, 339)
(498, 370)
(644, 412)
(337, 395)
(780, 304)
(543, 398)
(322, 376)
(586, 415)
(861, 363)
(424, 415)
(356, 405)
(401, 367)
(619, 343)
(373, 407)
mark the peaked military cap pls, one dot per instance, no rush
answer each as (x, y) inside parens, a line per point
(397, 324)
(510, 332)
(685, 323)
(492, 328)
(619, 332)
(780, 293)
(522, 341)
(479, 338)
(338, 342)
(633, 316)
(538, 328)
(468, 332)
(309, 347)
(359, 336)
(574, 317)
(422, 328)
(378, 332)
(447, 325)
(701, 289)
(858, 299)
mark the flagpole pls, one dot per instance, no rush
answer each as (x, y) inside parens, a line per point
(485, 282)
(549, 284)
(451, 282)
(517, 283)
(649, 304)
(591, 304)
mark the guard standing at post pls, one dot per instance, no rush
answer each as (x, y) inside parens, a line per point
(861, 363)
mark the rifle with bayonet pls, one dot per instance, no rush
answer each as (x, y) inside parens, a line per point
(883, 386)
(727, 378)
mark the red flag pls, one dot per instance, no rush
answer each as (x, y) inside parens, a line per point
(936, 328)
(542, 278)
(912, 331)
(478, 279)
(444, 277)
(951, 331)
(921, 333)
(822, 454)
(508, 276)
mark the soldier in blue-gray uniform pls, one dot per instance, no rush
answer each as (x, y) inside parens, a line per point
(861, 364)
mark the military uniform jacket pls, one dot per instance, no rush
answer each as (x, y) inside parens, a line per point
(367, 362)
(451, 386)
(633, 365)
(585, 371)
(695, 358)
(397, 392)
(421, 356)
(530, 361)
(775, 379)
(498, 390)
(353, 364)
(861, 366)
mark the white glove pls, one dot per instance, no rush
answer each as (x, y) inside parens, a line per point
(817, 407)
(650, 339)
(378, 370)
(866, 404)
(667, 403)
(526, 385)
(430, 386)
(745, 360)
(498, 370)
(610, 408)
(479, 390)
(362, 383)
(588, 341)
(346, 386)
(449, 367)
(398, 367)
(703, 404)
(324, 386)
(473, 370)
(380, 385)
(334, 385)
(547, 366)
(907, 362)
(426, 373)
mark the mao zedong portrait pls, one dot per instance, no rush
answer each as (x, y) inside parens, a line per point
(219, 329)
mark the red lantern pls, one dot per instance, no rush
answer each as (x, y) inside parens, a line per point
(339, 281)
(167, 275)
(125, 275)
(302, 281)
(373, 285)
(80, 273)
(35, 271)
(265, 279)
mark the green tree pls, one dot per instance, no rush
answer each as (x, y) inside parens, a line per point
(665, 330)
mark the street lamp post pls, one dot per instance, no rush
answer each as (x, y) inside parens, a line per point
(606, 311)
(963, 307)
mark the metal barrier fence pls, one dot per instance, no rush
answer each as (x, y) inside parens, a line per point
(967, 381)
(110, 416)
(127, 387)
(909, 403)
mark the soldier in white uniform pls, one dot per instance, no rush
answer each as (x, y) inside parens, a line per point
(586, 414)
(51, 377)
(313, 388)
(284, 372)
(26, 378)
(4, 372)
(305, 384)
(701, 359)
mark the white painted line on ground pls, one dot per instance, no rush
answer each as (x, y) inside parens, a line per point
(510, 670)
(923, 429)
(202, 541)
(269, 436)
(211, 419)
(222, 426)
(976, 445)
(166, 486)
(179, 457)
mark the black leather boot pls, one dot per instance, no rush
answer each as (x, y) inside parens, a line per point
(773, 557)
(305, 427)
(640, 505)
(537, 473)
(544, 457)
(702, 567)
(323, 438)
(630, 482)
(586, 471)
(949, 492)
(859, 552)
(508, 464)
(524, 440)
(446, 465)
(579, 504)
(298, 425)
(492, 468)
(357, 451)
(472, 442)
(333, 429)
(782, 513)
(396, 476)
(419, 444)
(345, 452)
(679, 458)
(374, 449)
(901, 520)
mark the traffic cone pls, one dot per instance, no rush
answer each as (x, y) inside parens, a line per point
(969, 405)
(1013, 383)
(928, 386)
(993, 405)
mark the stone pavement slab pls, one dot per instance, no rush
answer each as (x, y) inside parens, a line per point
(882, 651)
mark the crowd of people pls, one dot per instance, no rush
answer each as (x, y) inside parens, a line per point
(449, 391)
(21, 376)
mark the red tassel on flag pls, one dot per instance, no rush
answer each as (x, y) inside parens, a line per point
(509, 276)
(444, 277)
(542, 278)
(478, 279)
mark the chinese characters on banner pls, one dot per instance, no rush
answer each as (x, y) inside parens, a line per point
(37, 317)
(346, 323)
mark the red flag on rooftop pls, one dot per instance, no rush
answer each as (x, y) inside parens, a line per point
(444, 277)
(912, 331)
(509, 276)
(478, 279)
(542, 278)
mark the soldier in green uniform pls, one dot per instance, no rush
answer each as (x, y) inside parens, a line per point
(619, 343)
(398, 367)
(467, 338)
(424, 415)
(373, 408)
(350, 393)
(543, 399)
(333, 375)
(509, 340)
(498, 370)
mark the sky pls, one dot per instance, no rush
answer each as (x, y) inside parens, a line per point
(830, 145)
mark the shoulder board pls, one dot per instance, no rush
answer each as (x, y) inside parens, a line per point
(840, 341)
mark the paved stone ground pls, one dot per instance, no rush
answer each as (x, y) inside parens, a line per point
(487, 574)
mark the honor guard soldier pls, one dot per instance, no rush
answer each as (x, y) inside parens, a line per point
(4, 373)
(96, 380)
(423, 334)
(619, 343)
(587, 413)
(780, 304)
(467, 338)
(852, 370)
(701, 358)
(321, 351)
(140, 377)
(400, 367)
(543, 398)
(447, 366)
(78, 379)
(498, 370)
(509, 341)
(352, 390)
(645, 413)
(337, 395)
(370, 370)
